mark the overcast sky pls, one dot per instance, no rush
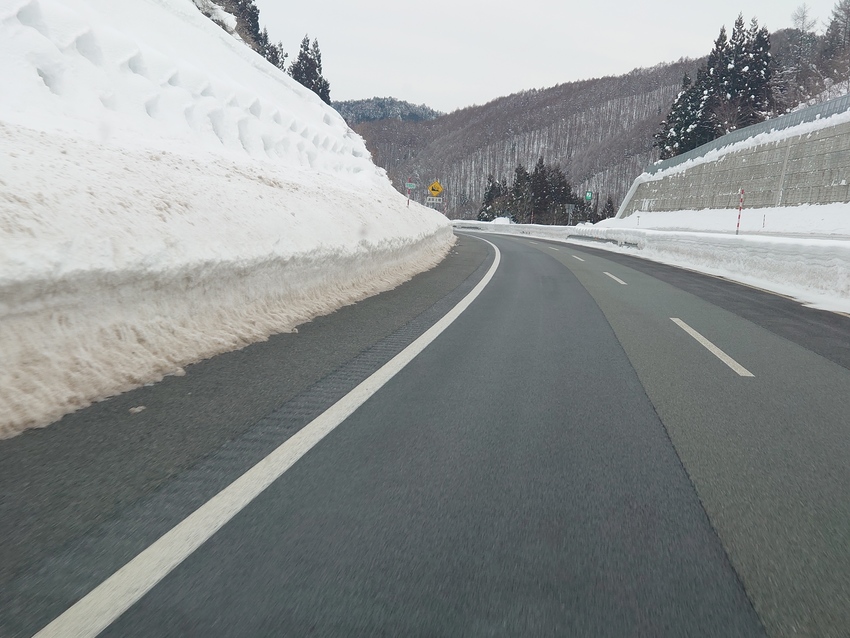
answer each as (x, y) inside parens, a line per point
(454, 53)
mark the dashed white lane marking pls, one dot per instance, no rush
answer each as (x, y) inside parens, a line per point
(579, 258)
(553, 248)
(103, 605)
(617, 279)
(713, 349)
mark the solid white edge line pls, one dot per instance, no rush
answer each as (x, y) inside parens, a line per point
(713, 349)
(577, 257)
(617, 279)
(104, 604)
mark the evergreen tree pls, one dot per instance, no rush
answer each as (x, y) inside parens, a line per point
(303, 69)
(541, 197)
(835, 53)
(307, 69)
(494, 202)
(250, 15)
(322, 87)
(248, 27)
(561, 194)
(485, 213)
(608, 210)
(732, 90)
(272, 52)
(521, 195)
(680, 127)
(722, 87)
(757, 71)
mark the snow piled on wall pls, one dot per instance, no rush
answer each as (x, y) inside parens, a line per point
(165, 195)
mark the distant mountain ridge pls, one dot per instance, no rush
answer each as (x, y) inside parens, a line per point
(383, 108)
(599, 131)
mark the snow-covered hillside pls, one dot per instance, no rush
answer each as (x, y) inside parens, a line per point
(166, 194)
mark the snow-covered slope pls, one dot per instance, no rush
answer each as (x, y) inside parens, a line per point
(166, 194)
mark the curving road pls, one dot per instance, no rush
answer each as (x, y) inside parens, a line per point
(595, 446)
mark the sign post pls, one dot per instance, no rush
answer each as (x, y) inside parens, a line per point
(409, 186)
(435, 189)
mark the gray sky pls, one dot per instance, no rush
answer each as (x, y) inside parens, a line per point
(454, 53)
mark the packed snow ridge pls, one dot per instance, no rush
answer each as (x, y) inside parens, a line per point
(801, 252)
(165, 195)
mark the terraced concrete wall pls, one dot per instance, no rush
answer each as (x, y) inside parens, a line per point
(813, 167)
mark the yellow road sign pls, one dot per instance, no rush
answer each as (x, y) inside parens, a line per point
(435, 189)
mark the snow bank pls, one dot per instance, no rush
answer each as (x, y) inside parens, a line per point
(823, 220)
(165, 195)
(801, 252)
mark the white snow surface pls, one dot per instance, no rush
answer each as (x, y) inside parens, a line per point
(217, 13)
(166, 195)
(802, 252)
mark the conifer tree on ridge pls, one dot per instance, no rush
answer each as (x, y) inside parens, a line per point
(307, 69)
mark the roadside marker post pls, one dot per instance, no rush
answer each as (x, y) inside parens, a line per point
(740, 208)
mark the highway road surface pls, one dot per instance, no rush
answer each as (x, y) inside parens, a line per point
(532, 439)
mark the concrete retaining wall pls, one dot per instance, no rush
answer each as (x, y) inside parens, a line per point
(809, 168)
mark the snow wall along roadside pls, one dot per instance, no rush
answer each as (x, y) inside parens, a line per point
(815, 270)
(799, 158)
(165, 195)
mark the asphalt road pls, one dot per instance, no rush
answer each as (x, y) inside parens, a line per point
(81, 497)
(567, 458)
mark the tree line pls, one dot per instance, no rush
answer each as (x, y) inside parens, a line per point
(542, 196)
(307, 66)
(742, 83)
(732, 90)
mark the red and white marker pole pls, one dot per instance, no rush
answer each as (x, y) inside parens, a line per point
(740, 208)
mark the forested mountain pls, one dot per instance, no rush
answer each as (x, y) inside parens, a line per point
(599, 132)
(383, 108)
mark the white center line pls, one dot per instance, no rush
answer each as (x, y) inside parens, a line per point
(103, 605)
(713, 349)
(579, 258)
(617, 279)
